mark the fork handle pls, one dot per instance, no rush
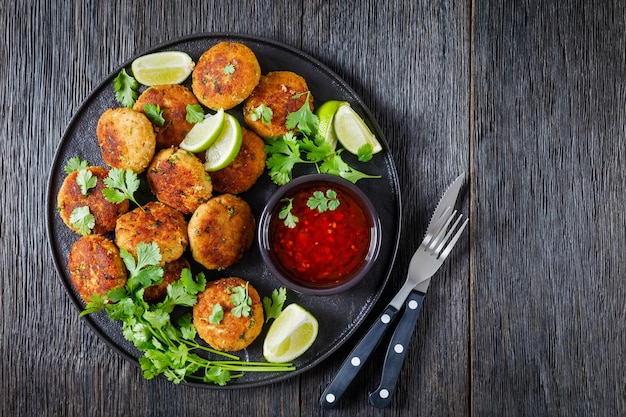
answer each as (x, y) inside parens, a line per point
(354, 362)
(396, 352)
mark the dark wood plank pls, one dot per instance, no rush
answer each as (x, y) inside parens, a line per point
(547, 197)
(409, 61)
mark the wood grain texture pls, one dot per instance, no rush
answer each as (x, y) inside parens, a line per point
(548, 175)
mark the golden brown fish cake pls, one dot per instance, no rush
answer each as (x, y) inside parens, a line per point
(95, 266)
(172, 100)
(171, 273)
(154, 222)
(220, 231)
(178, 179)
(225, 75)
(105, 213)
(276, 90)
(231, 333)
(126, 138)
(249, 164)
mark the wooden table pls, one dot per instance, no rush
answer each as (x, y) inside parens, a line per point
(527, 315)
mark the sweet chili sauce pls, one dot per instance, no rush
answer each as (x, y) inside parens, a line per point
(323, 248)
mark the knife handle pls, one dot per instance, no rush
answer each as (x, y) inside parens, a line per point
(396, 352)
(354, 362)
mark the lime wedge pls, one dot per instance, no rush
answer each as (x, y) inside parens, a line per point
(291, 334)
(205, 133)
(352, 132)
(326, 113)
(226, 146)
(169, 67)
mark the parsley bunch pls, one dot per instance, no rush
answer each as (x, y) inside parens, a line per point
(169, 346)
(304, 144)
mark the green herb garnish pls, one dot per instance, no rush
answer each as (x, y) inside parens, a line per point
(126, 89)
(263, 113)
(241, 300)
(121, 185)
(217, 314)
(286, 215)
(195, 113)
(154, 114)
(322, 202)
(74, 164)
(274, 306)
(82, 219)
(229, 69)
(86, 181)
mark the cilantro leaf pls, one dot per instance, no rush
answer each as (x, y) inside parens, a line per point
(217, 375)
(121, 185)
(74, 164)
(365, 152)
(274, 306)
(229, 69)
(82, 219)
(335, 165)
(86, 181)
(303, 119)
(126, 89)
(263, 113)
(195, 113)
(284, 153)
(217, 314)
(154, 113)
(320, 202)
(241, 300)
(285, 213)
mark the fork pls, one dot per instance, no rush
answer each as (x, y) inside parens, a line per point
(440, 238)
(438, 248)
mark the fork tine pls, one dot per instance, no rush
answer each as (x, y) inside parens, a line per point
(453, 241)
(450, 231)
(439, 235)
(436, 227)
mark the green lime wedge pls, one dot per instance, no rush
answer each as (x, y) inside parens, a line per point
(205, 133)
(168, 67)
(226, 146)
(326, 113)
(352, 132)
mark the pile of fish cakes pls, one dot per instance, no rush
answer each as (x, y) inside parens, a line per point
(194, 213)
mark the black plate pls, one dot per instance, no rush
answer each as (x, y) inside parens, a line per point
(339, 315)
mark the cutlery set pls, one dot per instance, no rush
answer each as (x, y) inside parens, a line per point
(444, 230)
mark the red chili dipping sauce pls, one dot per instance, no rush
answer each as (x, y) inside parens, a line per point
(323, 248)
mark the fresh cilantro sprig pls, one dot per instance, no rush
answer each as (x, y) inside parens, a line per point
(195, 113)
(75, 164)
(229, 69)
(126, 89)
(241, 301)
(169, 346)
(82, 219)
(86, 180)
(217, 314)
(322, 202)
(121, 185)
(154, 113)
(304, 144)
(274, 306)
(286, 215)
(263, 113)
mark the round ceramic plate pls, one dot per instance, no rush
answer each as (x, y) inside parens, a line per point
(338, 315)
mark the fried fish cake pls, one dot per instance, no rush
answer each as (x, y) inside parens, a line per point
(173, 100)
(104, 212)
(249, 164)
(95, 266)
(126, 138)
(154, 222)
(235, 331)
(225, 75)
(220, 231)
(178, 179)
(283, 92)
(171, 273)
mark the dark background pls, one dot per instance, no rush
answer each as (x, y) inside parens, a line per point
(525, 318)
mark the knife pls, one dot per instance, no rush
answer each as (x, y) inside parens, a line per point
(362, 351)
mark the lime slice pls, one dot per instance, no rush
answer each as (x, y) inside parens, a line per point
(169, 67)
(326, 113)
(291, 334)
(352, 132)
(226, 146)
(205, 133)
